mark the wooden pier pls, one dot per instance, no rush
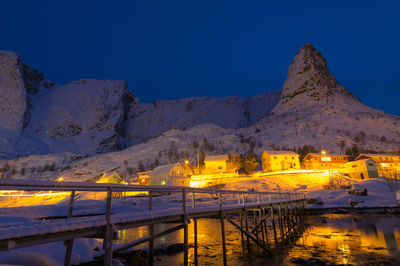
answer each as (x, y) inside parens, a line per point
(260, 217)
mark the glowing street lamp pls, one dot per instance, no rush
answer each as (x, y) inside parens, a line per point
(323, 152)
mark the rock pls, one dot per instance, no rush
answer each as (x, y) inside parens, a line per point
(315, 201)
(341, 211)
(308, 262)
(358, 190)
(354, 203)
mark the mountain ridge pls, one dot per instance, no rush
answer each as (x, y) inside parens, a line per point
(104, 117)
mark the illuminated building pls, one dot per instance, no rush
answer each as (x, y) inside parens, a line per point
(279, 160)
(362, 169)
(169, 175)
(388, 164)
(143, 178)
(324, 161)
(215, 164)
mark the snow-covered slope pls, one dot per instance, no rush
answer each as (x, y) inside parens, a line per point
(151, 120)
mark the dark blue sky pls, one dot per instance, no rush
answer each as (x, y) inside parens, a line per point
(175, 49)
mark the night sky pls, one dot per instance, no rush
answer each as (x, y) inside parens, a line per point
(174, 49)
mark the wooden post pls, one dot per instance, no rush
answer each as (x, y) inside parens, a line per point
(195, 242)
(273, 225)
(222, 229)
(185, 230)
(280, 221)
(247, 229)
(241, 233)
(70, 242)
(108, 238)
(261, 213)
(265, 228)
(193, 200)
(151, 231)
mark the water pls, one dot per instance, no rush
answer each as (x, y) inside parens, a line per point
(332, 239)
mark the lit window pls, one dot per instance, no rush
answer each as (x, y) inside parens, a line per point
(162, 182)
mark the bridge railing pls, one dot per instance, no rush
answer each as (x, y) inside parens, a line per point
(190, 196)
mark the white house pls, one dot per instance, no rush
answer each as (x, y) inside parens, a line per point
(169, 175)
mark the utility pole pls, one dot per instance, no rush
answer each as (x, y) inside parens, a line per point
(198, 163)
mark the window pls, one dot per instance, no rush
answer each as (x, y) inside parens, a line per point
(275, 157)
(219, 167)
(292, 157)
(162, 182)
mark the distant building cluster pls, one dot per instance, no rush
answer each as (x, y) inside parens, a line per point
(363, 167)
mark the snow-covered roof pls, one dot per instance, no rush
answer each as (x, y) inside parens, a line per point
(273, 152)
(163, 169)
(376, 155)
(319, 154)
(357, 161)
(222, 157)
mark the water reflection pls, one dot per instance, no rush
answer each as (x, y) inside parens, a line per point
(331, 239)
(349, 239)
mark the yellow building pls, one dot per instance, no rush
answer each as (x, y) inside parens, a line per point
(279, 160)
(388, 164)
(113, 178)
(169, 175)
(215, 164)
(324, 161)
(362, 169)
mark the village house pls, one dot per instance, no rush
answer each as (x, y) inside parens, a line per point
(324, 161)
(362, 169)
(169, 175)
(112, 178)
(388, 164)
(143, 178)
(216, 164)
(279, 160)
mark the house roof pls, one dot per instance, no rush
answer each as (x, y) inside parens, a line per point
(163, 169)
(375, 155)
(273, 152)
(319, 154)
(361, 160)
(222, 157)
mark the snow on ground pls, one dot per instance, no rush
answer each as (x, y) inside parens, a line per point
(380, 194)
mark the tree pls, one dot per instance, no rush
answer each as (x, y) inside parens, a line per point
(353, 152)
(250, 163)
(234, 162)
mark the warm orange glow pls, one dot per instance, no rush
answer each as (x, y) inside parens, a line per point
(60, 179)
(323, 152)
(187, 162)
(326, 159)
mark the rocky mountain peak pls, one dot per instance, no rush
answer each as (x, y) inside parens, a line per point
(309, 83)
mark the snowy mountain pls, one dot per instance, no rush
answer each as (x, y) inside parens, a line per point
(89, 117)
(147, 121)
(97, 116)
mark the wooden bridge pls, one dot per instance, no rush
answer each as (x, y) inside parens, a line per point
(261, 217)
